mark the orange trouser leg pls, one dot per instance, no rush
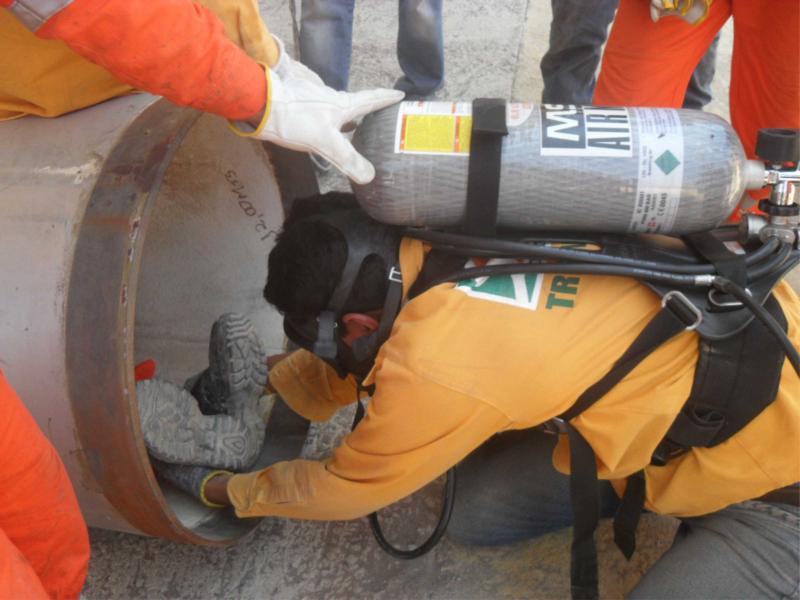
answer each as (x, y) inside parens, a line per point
(38, 510)
(765, 74)
(650, 64)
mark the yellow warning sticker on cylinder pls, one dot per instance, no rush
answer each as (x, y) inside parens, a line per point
(435, 134)
(434, 128)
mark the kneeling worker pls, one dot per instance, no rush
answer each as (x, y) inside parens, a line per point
(471, 367)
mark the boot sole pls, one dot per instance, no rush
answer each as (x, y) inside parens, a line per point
(237, 358)
(175, 431)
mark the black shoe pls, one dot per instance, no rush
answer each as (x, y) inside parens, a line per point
(236, 363)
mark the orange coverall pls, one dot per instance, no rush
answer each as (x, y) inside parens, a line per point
(649, 64)
(44, 545)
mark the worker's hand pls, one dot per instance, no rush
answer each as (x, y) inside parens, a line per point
(692, 11)
(287, 67)
(304, 114)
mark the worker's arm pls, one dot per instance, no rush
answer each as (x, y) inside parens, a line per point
(414, 430)
(309, 386)
(178, 49)
(173, 48)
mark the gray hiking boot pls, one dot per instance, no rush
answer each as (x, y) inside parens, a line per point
(175, 430)
(237, 363)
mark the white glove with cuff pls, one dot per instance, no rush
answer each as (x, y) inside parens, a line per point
(303, 114)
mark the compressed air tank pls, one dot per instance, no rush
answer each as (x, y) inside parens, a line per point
(564, 167)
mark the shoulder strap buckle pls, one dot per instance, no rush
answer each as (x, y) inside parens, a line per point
(554, 426)
(683, 308)
(395, 275)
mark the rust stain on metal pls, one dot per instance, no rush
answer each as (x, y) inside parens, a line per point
(87, 478)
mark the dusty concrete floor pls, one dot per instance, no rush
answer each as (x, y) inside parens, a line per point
(492, 49)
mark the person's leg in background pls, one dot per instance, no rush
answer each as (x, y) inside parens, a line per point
(420, 47)
(650, 64)
(698, 92)
(508, 490)
(38, 510)
(326, 39)
(577, 34)
(748, 550)
(765, 76)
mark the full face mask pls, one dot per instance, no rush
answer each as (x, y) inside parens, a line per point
(323, 334)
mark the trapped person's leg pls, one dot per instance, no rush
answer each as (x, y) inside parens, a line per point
(577, 34)
(326, 39)
(698, 93)
(508, 490)
(420, 46)
(650, 64)
(749, 550)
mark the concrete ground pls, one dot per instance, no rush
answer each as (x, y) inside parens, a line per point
(492, 49)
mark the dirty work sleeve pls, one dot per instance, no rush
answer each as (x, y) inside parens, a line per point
(39, 514)
(310, 387)
(174, 48)
(413, 431)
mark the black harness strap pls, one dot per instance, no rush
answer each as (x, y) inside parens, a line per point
(483, 181)
(438, 263)
(728, 264)
(735, 379)
(628, 514)
(676, 316)
(584, 491)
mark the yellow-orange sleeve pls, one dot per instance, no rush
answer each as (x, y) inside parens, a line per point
(310, 387)
(413, 431)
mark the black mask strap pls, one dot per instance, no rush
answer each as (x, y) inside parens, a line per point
(325, 344)
(365, 348)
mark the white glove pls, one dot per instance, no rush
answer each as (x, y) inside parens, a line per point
(304, 114)
(691, 11)
(288, 68)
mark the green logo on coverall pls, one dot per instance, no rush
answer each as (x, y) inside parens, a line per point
(520, 289)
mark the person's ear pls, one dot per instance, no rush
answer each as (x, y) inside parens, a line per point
(358, 325)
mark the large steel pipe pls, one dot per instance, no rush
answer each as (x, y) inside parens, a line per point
(126, 229)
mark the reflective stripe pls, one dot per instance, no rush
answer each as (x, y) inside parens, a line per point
(34, 13)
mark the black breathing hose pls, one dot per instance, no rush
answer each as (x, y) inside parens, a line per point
(771, 265)
(472, 246)
(448, 501)
(578, 269)
(441, 526)
(760, 313)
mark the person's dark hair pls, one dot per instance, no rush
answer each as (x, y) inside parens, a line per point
(307, 261)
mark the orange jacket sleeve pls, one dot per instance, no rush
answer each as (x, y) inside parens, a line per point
(39, 514)
(310, 387)
(172, 48)
(413, 431)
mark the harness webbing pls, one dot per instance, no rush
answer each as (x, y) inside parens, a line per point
(584, 492)
(483, 177)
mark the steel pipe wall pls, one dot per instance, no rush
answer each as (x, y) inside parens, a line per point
(126, 229)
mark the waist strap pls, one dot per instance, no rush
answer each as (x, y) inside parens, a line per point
(786, 495)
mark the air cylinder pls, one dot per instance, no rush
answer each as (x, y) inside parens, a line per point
(564, 167)
(126, 229)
